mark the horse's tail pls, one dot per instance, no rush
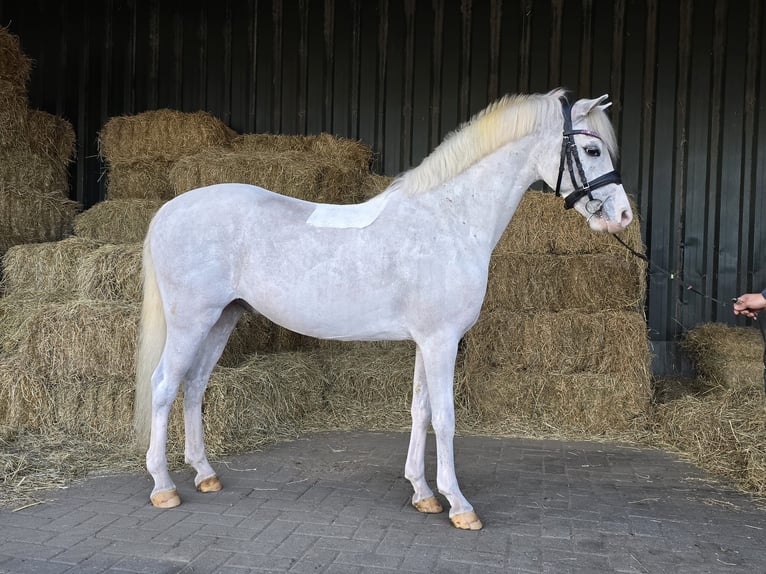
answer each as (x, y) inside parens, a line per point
(151, 342)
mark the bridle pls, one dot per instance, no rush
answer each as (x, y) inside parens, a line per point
(571, 157)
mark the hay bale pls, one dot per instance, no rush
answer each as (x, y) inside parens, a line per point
(723, 432)
(255, 403)
(44, 268)
(15, 66)
(244, 407)
(159, 135)
(28, 216)
(80, 339)
(353, 154)
(587, 282)
(51, 136)
(25, 400)
(568, 342)
(368, 386)
(297, 174)
(16, 309)
(24, 169)
(141, 179)
(117, 220)
(374, 184)
(541, 225)
(726, 356)
(589, 404)
(256, 334)
(13, 114)
(94, 407)
(110, 273)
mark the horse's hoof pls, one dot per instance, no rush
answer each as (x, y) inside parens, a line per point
(211, 484)
(166, 499)
(467, 521)
(428, 505)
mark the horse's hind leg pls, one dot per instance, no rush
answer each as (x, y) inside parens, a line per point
(182, 344)
(423, 499)
(194, 388)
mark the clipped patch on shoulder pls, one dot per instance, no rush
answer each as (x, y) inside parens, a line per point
(355, 216)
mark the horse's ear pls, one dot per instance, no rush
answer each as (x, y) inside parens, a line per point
(582, 108)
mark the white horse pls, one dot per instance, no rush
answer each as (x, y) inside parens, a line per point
(411, 263)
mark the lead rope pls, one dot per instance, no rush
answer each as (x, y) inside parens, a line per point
(674, 276)
(689, 287)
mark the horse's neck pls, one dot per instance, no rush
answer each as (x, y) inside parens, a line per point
(485, 195)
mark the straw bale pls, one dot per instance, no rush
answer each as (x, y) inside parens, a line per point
(567, 342)
(723, 432)
(81, 338)
(51, 136)
(25, 400)
(16, 309)
(256, 334)
(159, 135)
(13, 114)
(352, 153)
(28, 216)
(541, 225)
(110, 273)
(591, 403)
(368, 386)
(726, 356)
(15, 66)
(588, 282)
(245, 407)
(257, 402)
(117, 220)
(94, 407)
(22, 168)
(297, 174)
(374, 184)
(44, 267)
(141, 179)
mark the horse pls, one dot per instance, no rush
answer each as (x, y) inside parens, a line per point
(409, 264)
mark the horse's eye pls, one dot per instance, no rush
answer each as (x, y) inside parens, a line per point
(593, 151)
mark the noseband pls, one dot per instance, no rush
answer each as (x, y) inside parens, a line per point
(571, 157)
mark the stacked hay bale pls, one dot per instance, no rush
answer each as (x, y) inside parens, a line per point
(560, 344)
(319, 168)
(35, 150)
(718, 420)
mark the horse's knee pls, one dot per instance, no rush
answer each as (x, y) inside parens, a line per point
(444, 425)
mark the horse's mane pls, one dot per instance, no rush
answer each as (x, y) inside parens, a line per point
(508, 119)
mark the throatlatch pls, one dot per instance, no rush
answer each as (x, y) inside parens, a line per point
(571, 157)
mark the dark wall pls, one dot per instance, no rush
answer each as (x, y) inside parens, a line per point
(685, 76)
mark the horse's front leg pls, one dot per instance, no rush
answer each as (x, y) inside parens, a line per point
(439, 361)
(414, 470)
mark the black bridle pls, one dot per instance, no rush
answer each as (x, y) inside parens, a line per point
(571, 158)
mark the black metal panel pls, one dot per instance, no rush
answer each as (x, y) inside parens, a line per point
(686, 79)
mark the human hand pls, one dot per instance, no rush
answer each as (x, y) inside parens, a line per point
(749, 304)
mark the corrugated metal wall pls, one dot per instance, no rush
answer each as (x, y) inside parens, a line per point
(685, 76)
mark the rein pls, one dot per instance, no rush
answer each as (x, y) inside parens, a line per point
(571, 157)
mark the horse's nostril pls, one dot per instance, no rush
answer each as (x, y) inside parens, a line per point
(626, 217)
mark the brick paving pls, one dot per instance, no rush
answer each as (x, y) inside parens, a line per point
(338, 503)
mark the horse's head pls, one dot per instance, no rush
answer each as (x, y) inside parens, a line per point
(584, 174)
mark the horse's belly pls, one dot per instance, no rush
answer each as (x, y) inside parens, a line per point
(341, 315)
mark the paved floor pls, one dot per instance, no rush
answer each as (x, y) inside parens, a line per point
(337, 503)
